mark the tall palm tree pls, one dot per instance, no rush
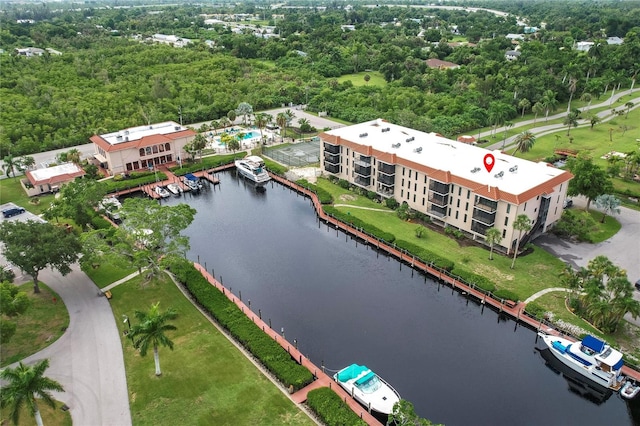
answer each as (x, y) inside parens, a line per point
(524, 104)
(550, 102)
(281, 120)
(521, 224)
(571, 120)
(303, 122)
(493, 236)
(150, 331)
(536, 109)
(524, 141)
(609, 204)
(262, 119)
(24, 384)
(244, 109)
(225, 122)
(629, 105)
(231, 115)
(198, 144)
(10, 165)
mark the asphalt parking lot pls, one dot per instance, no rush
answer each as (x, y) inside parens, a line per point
(21, 217)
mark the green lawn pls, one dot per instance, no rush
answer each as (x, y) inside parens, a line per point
(11, 191)
(206, 380)
(358, 78)
(42, 324)
(605, 230)
(50, 416)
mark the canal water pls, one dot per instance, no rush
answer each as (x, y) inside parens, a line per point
(345, 303)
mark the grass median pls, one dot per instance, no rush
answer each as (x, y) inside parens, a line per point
(205, 380)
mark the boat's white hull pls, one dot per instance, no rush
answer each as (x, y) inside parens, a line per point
(589, 372)
(174, 188)
(381, 400)
(162, 192)
(260, 178)
(630, 390)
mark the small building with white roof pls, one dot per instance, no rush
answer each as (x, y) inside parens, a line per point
(446, 179)
(141, 148)
(50, 179)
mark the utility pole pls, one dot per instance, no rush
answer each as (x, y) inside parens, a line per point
(180, 112)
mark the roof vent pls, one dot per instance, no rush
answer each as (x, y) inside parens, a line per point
(119, 137)
(177, 128)
(126, 139)
(126, 132)
(364, 135)
(386, 129)
(498, 175)
(418, 150)
(395, 145)
(411, 139)
(513, 169)
(475, 170)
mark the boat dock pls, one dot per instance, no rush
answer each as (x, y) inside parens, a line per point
(507, 307)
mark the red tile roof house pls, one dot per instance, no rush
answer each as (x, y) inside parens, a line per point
(50, 179)
(141, 148)
(442, 65)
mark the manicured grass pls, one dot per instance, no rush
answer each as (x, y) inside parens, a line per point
(358, 78)
(108, 273)
(11, 191)
(206, 380)
(50, 416)
(42, 324)
(605, 230)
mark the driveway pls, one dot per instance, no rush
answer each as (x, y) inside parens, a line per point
(87, 360)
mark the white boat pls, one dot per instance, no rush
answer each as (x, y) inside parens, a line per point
(192, 182)
(367, 388)
(174, 188)
(111, 205)
(592, 358)
(630, 389)
(252, 167)
(161, 191)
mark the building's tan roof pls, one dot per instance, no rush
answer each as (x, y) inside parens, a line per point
(118, 141)
(54, 175)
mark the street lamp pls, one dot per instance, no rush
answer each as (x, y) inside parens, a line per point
(125, 319)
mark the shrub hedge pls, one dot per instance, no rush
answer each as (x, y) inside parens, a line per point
(323, 196)
(245, 331)
(207, 163)
(274, 167)
(357, 223)
(506, 294)
(480, 281)
(135, 179)
(425, 255)
(534, 310)
(331, 409)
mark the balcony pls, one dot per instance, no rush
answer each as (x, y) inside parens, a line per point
(385, 191)
(362, 170)
(479, 228)
(438, 187)
(362, 181)
(331, 158)
(332, 168)
(439, 200)
(483, 217)
(386, 179)
(486, 205)
(387, 169)
(333, 149)
(437, 210)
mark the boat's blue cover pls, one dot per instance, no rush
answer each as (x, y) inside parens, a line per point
(593, 343)
(578, 358)
(559, 346)
(618, 365)
(364, 378)
(190, 176)
(351, 372)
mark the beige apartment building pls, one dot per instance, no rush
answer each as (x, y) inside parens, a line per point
(446, 179)
(142, 148)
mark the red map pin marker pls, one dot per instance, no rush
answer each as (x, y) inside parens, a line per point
(489, 162)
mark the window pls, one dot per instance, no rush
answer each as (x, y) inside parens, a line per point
(466, 208)
(525, 206)
(506, 221)
(402, 182)
(458, 206)
(465, 218)
(459, 191)
(167, 147)
(424, 190)
(403, 171)
(415, 186)
(414, 198)
(161, 148)
(155, 149)
(401, 193)
(148, 150)
(456, 215)
(508, 208)
(425, 179)
(141, 152)
(449, 214)
(423, 201)
(504, 233)
(468, 194)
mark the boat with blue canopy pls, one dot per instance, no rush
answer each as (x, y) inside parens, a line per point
(367, 388)
(592, 358)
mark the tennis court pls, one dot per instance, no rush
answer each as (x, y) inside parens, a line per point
(295, 155)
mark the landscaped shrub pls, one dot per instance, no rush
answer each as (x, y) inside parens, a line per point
(323, 196)
(357, 223)
(506, 294)
(207, 163)
(391, 203)
(331, 409)
(344, 184)
(245, 331)
(371, 195)
(275, 168)
(478, 280)
(534, 310)
(135, 179)
(403, 211)
(425, 255)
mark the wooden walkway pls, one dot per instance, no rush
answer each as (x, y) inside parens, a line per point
(321, 378)
(513, 309)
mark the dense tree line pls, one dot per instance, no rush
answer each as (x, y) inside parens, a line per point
(105, 80)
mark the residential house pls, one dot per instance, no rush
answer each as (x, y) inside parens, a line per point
(440, 64)
(50, 179)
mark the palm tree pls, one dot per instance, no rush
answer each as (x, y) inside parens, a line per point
(493, 236)
(629, 105)
(587, 97)
(524, 104)
(25, 383)
(550, 103)
(608, 203)
(231, 115)
(281, 120)
(524, 142)
(571, 120)
(594, 120)
(150, 331)
(521, 225)
(537, 108)
(303, 122)
(244, 109)
(262, 120)
(225, 122)
(199, 143)
(10, 165)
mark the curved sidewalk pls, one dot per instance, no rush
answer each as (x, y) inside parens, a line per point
(87, 359)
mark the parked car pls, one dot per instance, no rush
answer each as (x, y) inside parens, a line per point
(638, 285)
(13, 211)
(567, 203)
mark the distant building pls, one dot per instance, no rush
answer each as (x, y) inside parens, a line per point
(29, 51)
(614, 40)
(50, 179)
(515, 36)
(442, 65)
(141, 148)
(445, 179)
(172, 40)
(512, 55)
(584, 46)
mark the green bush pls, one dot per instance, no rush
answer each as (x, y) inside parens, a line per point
(245, 331)
(506, 294)
(344, 184)
(478, 280)
(275, 168)
(534, 310)
(135, 179)
(371, 195)
(323, 196)
(98, 222)
(391, 203)
(425, 255)
(357, 223)
(207, 163)
(403, 211)
(332, 410)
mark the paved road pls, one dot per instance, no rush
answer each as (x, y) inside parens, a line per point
(87, 360)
